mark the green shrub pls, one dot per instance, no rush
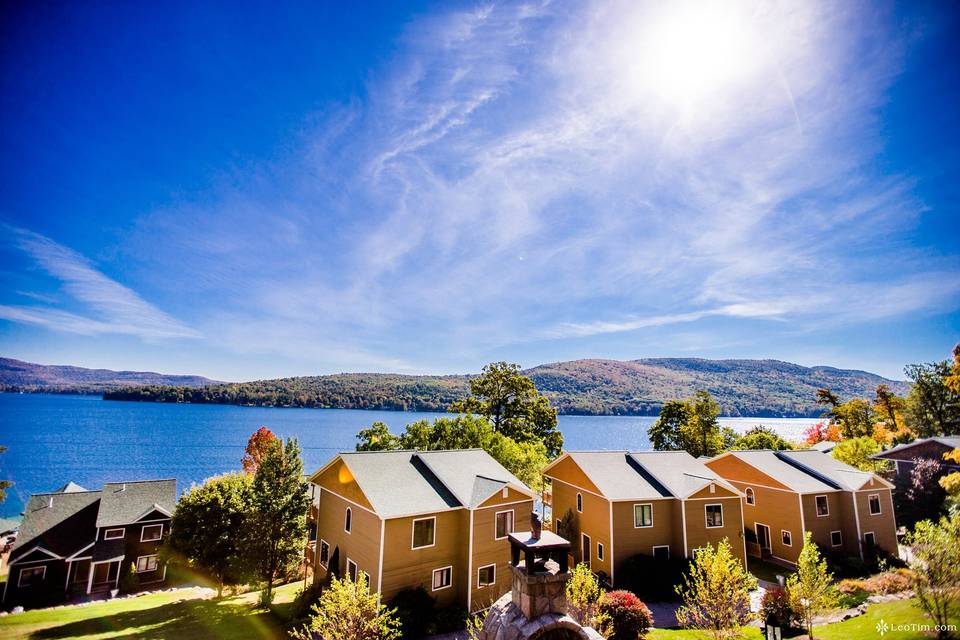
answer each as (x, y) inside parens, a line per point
(416, 611)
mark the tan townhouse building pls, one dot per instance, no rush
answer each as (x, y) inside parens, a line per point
(786, 493)
(654, 503)
(432, 519)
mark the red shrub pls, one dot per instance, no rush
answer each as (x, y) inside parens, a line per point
(627, 617)
(776, 603)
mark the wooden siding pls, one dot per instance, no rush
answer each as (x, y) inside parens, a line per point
(630, 541)
(362, 544)
(488, 550)
(569, 471)
(594, 521)
(779, 510)
(405, 567)
(338, 478)
(884, 525)
(733, 468)
(698, 535)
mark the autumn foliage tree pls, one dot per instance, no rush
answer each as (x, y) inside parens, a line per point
(716, 593)
(257, 447)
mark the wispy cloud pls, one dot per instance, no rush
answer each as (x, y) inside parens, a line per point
(116, 308)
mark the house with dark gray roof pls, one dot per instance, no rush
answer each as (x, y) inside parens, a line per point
(904, 456)
(407, 519)
(74, 543)
(622, 504)
(849, 512)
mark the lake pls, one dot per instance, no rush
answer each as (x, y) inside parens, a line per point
(53, 439)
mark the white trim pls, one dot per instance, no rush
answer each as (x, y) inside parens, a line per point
(599, 551)
(348, 500)
(586, 555)
(36, 548)
(43, 575)
(611, 537)
(839, 544)
(433, 580)
(493, 581)
(149, 555)
(642, 526)
(743, 536)
(816, 507)
(150, 526)
(706, 520)
(150, 510)
(579, 502)
(492, 506)
(870, 533)
(738, 497)
(803, 519)
(870, 504)
(320, 562)
(356, 569)
(750, 496)
(582, 490)
(348, 520)
(413, 534)
(789, 534)
(661, 546)
(469, 566)
(856, 516)
(123, 533)
(683, 524)
(93, 571)
(383, 529)
(513, 516)
(74, 556)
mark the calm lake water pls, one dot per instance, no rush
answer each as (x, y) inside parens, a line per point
(53, 439)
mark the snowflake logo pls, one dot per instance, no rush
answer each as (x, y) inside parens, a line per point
(882, 627)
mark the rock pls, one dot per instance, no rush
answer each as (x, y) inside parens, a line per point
(17, 610)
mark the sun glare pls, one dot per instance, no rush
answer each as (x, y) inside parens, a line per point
(692, 50)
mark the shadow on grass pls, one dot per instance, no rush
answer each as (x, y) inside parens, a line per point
(187, 620)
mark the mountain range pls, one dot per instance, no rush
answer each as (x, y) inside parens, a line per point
(762, 388)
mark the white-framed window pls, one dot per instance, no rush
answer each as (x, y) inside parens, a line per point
(836, 538)
(661, 551)
(366, 578)
(751, 496)
(714, 515)
(786, 538)
(30, 576)
(324, 553)
(823, 507)
(424, 533)
(504, 524)
(486, 575)
(580, 502)
(147, 563)
(874, 500)
(151, 533)
(599, 551)
(352, 569)
(642, 516)
(113, 534)
(869, 538)
(348, 520)
(442, 578)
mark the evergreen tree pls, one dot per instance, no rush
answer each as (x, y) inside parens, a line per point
(276, 529)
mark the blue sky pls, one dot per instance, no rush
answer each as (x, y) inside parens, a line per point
(426, 187)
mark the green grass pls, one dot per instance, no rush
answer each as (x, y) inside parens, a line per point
(183, 614)
(898, 612)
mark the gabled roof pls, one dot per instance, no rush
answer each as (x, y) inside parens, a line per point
(952, 442)
(60, 523)
(824, 446)
(830, 470)
(639, 475)
(769, 463)
(401, 483)
(127, 502)
(70, 487)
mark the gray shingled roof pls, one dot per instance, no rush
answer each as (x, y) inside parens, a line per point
(639, 475)
(824, 446)
(9, 524)
(828, 469)
(399, 483)
(59, 522)
(70, 487)
(127, 502)
(948, 441)
(768, 462)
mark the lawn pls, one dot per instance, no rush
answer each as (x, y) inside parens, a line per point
(184, 614)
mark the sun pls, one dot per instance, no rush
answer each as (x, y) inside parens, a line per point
(689, 51)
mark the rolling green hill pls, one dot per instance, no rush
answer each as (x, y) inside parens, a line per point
(600, 387)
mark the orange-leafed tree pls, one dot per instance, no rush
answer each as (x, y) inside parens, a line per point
(257, 447)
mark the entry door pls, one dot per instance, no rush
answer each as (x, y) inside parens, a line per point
(763, 537)
(585, 549)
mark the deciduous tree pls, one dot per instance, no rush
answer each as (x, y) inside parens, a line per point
(691, 426)
(761, 437)
(257, 447)
(810, 587)
(583, 595)
(208, 526)
(716, 592)
(276, 528)
(857, 451)
(936, 568)
(348, 611)
(933, 407)
(513, 405)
